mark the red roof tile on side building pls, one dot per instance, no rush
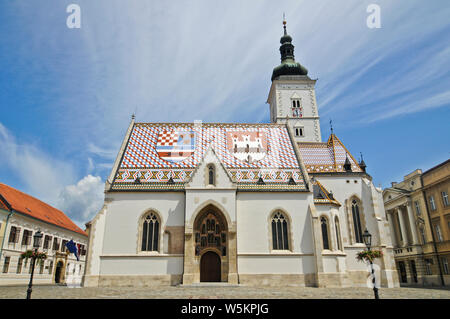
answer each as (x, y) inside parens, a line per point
(33, 207)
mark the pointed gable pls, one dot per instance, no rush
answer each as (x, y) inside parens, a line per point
(295, 96)
(322, 195)
(327, 157)
(200, 177)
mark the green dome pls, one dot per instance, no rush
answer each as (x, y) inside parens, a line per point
(285, 38)
(288, 65)
(289, 68)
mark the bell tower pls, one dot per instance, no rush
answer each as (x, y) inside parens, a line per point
(292, 96)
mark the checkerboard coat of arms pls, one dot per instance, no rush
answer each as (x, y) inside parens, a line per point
(175, 146)
(247, 146)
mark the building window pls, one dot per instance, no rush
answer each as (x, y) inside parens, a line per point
(41, 266)
(338, 233)
(297, 110)
(82, 250)
(444, 198)
(50, 268)
(55, 244)
(47, 240)
(211, 174)
(26, 239)
(19, 265)
(150, 233)
(432, 203)
(280, 236)
(416, 203)
(445, 265)
(357, 222)
(325, 238)
(438, 232)
(6, 265)
(299, 131)
(63, 245)
(422, 233)
(14, 234)
(428, 263)
(210, 231)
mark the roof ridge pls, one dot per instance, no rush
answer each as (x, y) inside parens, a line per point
(209, 123)
(28, 195)
(35, 212)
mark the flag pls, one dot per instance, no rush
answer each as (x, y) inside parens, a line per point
(72, 248)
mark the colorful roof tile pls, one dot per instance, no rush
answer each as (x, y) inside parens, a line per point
(322, 196)
(33, 207)
(326, 157)
(156, 152)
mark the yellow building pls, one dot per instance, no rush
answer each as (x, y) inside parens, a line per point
(436, 186)
(421, 252)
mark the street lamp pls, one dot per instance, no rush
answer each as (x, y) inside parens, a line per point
(367, 237)
(36, 244)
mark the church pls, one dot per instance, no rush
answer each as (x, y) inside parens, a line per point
(251, 204)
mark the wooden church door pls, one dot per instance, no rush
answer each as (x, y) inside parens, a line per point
(210, 270)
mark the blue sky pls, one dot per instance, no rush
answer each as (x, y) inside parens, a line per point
(67, 95)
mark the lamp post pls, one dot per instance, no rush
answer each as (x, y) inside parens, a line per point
(36, 244)
(367, 237)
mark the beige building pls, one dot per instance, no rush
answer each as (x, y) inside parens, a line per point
(21, 216)
(421, 252)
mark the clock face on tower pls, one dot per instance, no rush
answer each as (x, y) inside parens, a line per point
(297, 112)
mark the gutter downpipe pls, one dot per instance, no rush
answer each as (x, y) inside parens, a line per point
(432, 233)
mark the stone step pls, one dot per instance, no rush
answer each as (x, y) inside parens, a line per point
(209, 285)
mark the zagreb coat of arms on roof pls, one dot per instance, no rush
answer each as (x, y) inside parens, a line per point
(175, 146)
(247, 146)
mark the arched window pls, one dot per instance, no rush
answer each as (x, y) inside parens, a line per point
(150, 232)
(210, 232)
(280, 236)
(357, 222)
(338, 233)
(211, 175)
(325, 237)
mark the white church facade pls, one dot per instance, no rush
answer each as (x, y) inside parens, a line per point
(251, 204)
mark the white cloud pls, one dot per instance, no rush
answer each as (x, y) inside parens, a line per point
(46, 178)
(43, 175)
(82, 200)
(406, 107)
(101, 152)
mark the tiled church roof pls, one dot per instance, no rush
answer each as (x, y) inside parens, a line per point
(322, 196)
(33, 207)
(326, 157)
(153, 158)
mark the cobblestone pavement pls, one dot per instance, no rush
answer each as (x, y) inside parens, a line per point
(58, 292)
